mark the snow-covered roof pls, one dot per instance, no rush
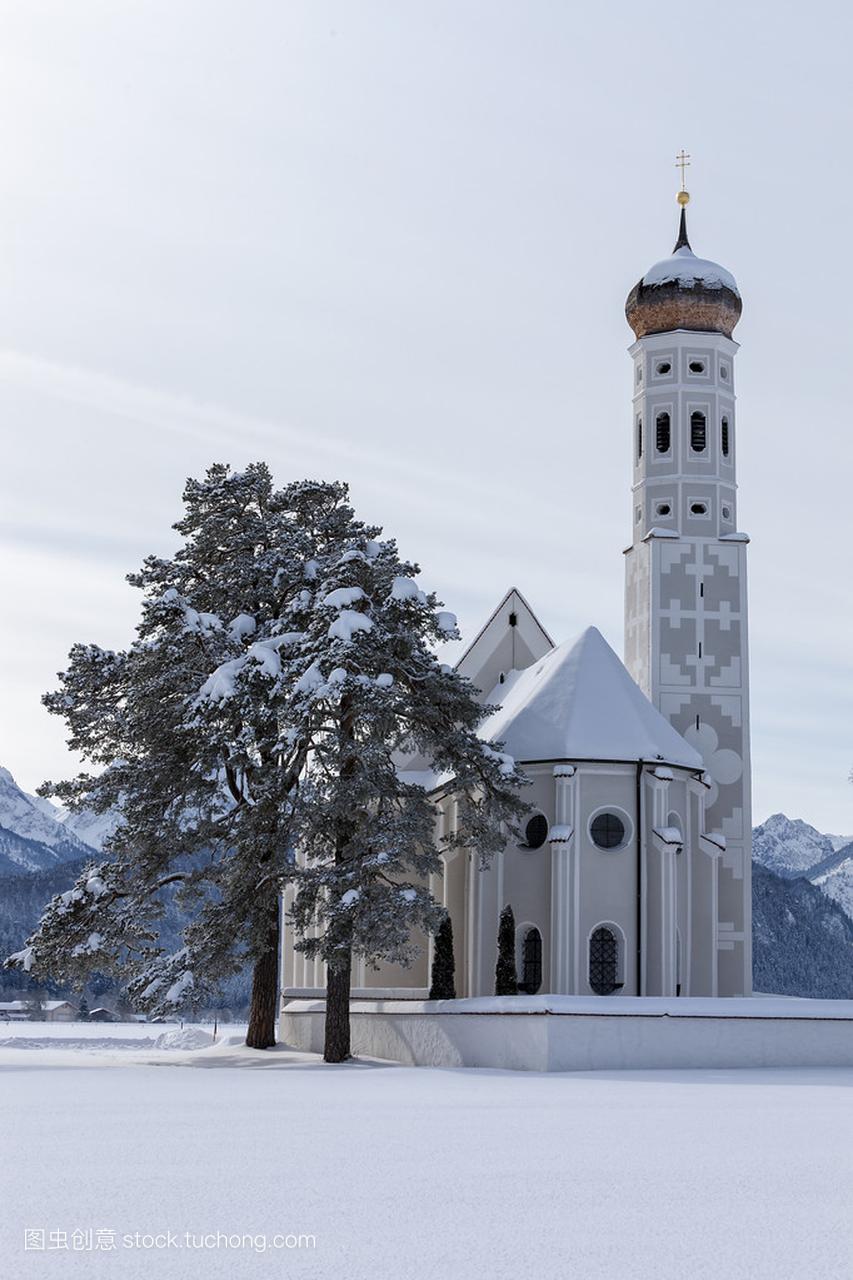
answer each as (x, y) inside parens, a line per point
(685, 269)
(579, 703)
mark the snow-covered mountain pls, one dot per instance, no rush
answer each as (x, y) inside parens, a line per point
(34, 834)
(836, 878)
(790, 847)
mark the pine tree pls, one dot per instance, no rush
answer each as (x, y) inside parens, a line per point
(369, 690)
(284, 660)
(506, 978)
(187, 733)
(442, 986)
(83, 1011)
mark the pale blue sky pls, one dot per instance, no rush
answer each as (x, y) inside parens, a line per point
(391, 243)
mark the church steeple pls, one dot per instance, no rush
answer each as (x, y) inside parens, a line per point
(684, 292)
(686, 604)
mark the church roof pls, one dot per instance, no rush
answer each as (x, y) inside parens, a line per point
(684, 292)
(578, 702)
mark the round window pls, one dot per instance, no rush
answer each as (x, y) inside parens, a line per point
(536, 831)
(663, 368)
(664, 509)
(696, 366)
(607, 830)
(727, 514)
(724, 373)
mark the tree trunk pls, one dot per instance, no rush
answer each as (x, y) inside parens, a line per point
(337, 1046)
(261, 1032)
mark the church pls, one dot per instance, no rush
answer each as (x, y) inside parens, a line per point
(633, 873)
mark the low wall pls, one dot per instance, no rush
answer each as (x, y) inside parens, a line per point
(554, 1033)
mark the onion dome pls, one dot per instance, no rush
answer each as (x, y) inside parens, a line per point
(684, 292)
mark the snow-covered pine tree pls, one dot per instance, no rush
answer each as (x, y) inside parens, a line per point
(83, 1010)
(369, 687)
(442, 985)
(187, 732)
(506, 976)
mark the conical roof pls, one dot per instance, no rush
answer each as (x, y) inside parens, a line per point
(580, 703)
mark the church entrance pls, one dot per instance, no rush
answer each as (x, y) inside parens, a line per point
(531, 963)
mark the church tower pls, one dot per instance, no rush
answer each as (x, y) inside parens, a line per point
(686, 602)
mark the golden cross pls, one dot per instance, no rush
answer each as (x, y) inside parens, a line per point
(682, 160)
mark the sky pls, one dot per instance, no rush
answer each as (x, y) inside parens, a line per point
(389, 242)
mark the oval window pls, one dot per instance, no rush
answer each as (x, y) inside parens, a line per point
(536, 831)
(727, 513)
(698, 509)
(663, 509)
(696, 366)
(607, 830)
(724, 373)
(663, 368)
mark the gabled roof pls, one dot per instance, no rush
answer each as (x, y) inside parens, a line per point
(579, 703)
(511, 639)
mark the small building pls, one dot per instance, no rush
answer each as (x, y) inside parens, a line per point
(102, 1015)
(35, 1011)
(58, 1011)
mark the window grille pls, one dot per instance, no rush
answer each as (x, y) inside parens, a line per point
(604, 962)
(607, 830)
(662, 433)
(697, 432)
(724, 437)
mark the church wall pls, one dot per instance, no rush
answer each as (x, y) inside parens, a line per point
(608, 878)
(522, 879)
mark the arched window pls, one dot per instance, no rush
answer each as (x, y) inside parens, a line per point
(724, 437)
(639, 437)
(604, 961)
(531, 963)
(698, 433)
(662, 432)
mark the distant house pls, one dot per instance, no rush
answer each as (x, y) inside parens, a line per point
(102, 1015)
(14, 1011)
(28, 1011)
(58, 1011)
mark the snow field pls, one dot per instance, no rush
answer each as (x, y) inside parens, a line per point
(420, 1173)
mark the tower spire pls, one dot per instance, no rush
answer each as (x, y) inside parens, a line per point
(682, 160)
(682, 242)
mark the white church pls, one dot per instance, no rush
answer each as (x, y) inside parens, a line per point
(634, 873)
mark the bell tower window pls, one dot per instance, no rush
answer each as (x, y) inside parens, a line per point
(724, 437)
(639, 438)
(662, 433)
(698, 432)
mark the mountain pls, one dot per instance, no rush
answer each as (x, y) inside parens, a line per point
(835, 878)
(802, 941)
(33, 835)
(790, 847)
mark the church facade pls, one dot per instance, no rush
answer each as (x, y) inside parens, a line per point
(633, 872)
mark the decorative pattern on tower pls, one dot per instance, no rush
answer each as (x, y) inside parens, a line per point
(686, 602)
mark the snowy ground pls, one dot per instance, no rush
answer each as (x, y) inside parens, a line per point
(412, 1173)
